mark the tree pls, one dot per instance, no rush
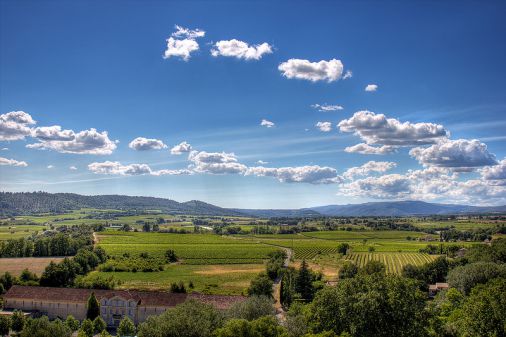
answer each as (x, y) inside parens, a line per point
(87, 328)
(104, 333)
(464, 278)
(254, 307)
(18, 320)
(261, 286)
(189, 319)
(178, 287)
(373, 267)
(304, 282)
(42, 327)
(370, 306)
(483, 311)
(296, 324)
(171, 256)
(92, 308)
(126, 327)
(266, 326)
(5, 325)
(342, 248)
(99, 324)
(72, 323)
(348, 270)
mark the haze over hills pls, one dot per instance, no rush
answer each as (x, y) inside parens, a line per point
(42, 202)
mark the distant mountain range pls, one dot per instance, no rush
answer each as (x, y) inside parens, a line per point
(42, 202)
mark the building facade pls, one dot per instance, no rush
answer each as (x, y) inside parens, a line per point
(114, 304)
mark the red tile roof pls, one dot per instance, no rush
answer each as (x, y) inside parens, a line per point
(145, 298)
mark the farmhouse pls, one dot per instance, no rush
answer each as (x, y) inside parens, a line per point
(435, 288)
(114, 304)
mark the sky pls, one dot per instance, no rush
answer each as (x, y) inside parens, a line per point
(261, 104)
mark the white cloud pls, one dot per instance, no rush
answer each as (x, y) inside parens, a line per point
(12, 162)
(116, 168)
(5, 149)
(188, 33)
(15, 125)
(180, 48)
(377, 129)
(496, 172)
(302, 174)
(50, 166)
(184, 47)
(240, 49)
(329, 71)
(347, 74)
(368, 149)
(47, 133)
(324, 126)
(327, 107)
(85, 142)
(371, 166)
(390, 186)
(144, 144)
(267, 124)
(261, 162)
(72, 168)
(215, 162)
(181, 148)
(460, 153)
(371, 87)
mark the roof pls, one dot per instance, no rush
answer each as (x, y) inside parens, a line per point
(442, 285)
(146, 298)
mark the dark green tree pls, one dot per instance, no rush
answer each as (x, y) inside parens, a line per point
(99, 324)
(5, 325)
(93, 307)
(18, 321)
(348, 270)
(304, 282)
(126, 327)
(342, 248)
(87, 328)
(72, 323)
(261, 286)
(171, 256)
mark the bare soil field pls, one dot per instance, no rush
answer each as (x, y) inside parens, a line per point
(16, 265)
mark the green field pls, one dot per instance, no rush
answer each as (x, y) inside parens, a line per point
(16, 232)
(394, 262)
(190, 248)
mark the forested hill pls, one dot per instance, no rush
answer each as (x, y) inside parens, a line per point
(42, 202)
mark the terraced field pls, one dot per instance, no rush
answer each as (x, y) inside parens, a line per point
(393, 261)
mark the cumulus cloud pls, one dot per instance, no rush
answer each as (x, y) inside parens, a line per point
(460, 153)
(182, 43)
(261, 162)
(180, 48)
(84, 142)
(371, 166)
(12, 162)
(324, 126)
(15, 125)
(267, 124)
(72, 168)
(496, 172)
(48, 133)
(327, 107)
(240, 49)
(329, 71)
(181, 148)
(390, 186)
(50, 166)
(368, 149)
(116, 168)
(215, 162)
(145, 144)
(371, 87)
(377, 129)
(303, 174)
(188, 33)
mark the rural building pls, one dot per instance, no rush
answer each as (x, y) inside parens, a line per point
(114, 304)
(434, 288)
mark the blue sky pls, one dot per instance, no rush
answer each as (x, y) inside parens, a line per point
(436, 120)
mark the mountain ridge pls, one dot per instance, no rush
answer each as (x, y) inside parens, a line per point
(22, 203)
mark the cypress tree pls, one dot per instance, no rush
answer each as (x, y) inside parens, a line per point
(304, 282)
(93, 307)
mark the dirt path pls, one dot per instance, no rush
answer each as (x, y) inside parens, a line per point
(276, 287)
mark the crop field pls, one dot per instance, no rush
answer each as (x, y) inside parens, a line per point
(393, 261)
(191, 248)
(16, 265)
(16, 232)
(212, 279)
(459, 225)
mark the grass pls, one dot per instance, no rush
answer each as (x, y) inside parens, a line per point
(212, 279)
(394, 262)
(19, 231)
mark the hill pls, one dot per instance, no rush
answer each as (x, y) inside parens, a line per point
(42, 202)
